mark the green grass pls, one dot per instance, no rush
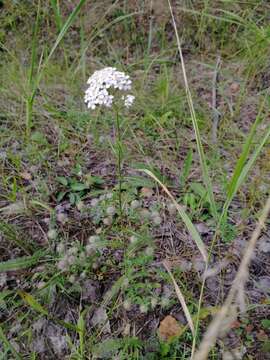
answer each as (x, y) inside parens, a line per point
(56, 158)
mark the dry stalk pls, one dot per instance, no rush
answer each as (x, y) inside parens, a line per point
(236, 291)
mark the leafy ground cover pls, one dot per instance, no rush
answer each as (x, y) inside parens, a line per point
(81, 279)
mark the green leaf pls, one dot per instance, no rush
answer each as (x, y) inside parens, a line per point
(39, 138)
(266, 323)
(32, 302)
(7, 344)
(78, 186)
(186, 168)
(62, 180)
(200, 190)
(139, 181)
(107, 348)
(61, 195)
(21, 263)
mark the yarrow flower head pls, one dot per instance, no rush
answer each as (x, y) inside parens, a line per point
(103, 80)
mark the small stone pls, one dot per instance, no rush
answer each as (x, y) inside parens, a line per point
(90, 249)
(60, 248)
(26, 175)
(149, 251)
(111, 210)
(62, 265)
(62, 218)
(82, 257)
(52, 234)
(3, 279)
(135, 204)
(145, 214)
(127, 305)
(157, 220)
(172, 209)
(154, 214)
(133, 239)
(143, 308)
(72, 279)
(109, 196)
(100, 319)
(94, 202)
(108, 221)
(202, 228)
(83, 275)
(71, 259)
(93, 239)
(125, 282)
(41, 284)
(264, 244)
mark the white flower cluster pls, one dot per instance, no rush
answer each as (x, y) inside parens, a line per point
(102, 80)
(128, 100)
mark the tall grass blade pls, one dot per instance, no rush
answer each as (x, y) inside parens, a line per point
(57, 14)
(206, 177)
(59, 38)
(181, 299)
(243, 166)
(191, 228)
(5, 341)
(29, 100)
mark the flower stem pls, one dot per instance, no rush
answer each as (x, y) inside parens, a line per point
(119, 163)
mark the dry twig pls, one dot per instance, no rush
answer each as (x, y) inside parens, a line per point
(235, 293)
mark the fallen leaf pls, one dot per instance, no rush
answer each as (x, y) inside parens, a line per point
(235, 324)
(26, 175)
(169, 328)
(235, 87)
(147, 192)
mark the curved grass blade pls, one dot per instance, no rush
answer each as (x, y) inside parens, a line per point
(8, 345)
(191, 228)
(21, 263)
(181, 299)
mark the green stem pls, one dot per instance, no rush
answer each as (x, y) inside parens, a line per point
(119, 163)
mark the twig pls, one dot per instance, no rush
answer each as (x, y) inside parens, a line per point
(214, 328)
(214, 101)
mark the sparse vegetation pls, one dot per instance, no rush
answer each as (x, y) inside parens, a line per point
(122, 239)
